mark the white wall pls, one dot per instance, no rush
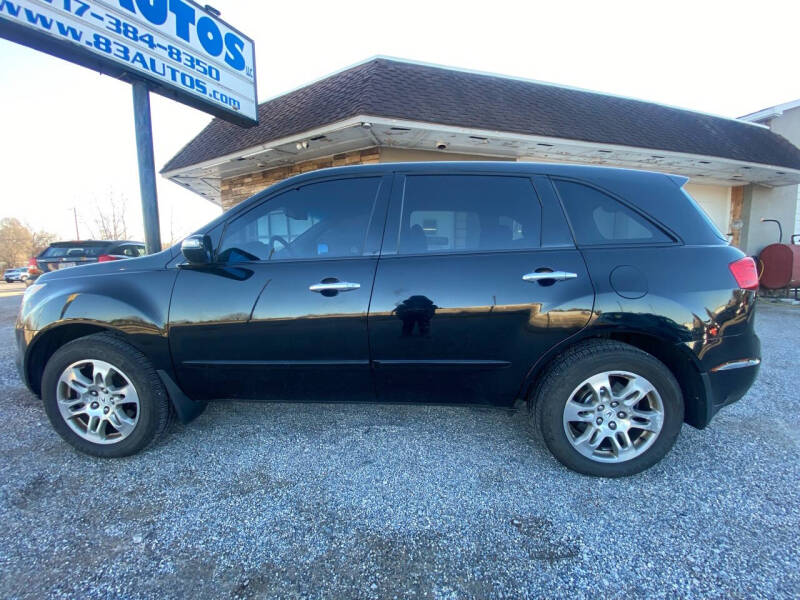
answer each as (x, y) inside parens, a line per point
(772, 203)
(788, 125)
(797, 213)
(715, 200)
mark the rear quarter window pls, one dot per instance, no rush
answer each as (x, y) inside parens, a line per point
(706, 219)
(133, 250)
(129, 250)
(599, 219)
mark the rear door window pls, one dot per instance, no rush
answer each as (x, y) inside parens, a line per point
(599, 219)
(468, 213)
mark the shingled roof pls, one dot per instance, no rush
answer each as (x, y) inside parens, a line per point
(389, 88)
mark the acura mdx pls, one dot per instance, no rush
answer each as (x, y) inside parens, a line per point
(602, 299)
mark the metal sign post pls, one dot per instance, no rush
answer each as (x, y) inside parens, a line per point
(147, 168)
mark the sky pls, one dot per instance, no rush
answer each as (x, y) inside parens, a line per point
(67, 132)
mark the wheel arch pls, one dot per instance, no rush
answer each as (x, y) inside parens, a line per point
(675, 356)
(47, 342)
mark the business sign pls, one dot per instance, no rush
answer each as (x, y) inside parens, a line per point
(184, 51)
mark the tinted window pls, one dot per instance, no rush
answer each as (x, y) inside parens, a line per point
(705, 216)
(597, 218)
(72, 251)
(130, 250)
(444, 213)
(320, 220)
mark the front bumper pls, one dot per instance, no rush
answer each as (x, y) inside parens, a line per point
(23, 339)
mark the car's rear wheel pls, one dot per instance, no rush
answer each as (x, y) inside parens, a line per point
(609, 409)
(104, 397)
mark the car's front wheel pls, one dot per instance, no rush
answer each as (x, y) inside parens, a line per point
(104, 397)
(609, 409)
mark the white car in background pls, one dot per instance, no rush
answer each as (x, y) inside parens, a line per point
(18, 274)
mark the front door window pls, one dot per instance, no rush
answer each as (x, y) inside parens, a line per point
(321, 220)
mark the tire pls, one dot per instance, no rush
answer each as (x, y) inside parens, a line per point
(587, 390)
(140, 412)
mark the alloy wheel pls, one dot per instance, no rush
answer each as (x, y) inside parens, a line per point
(613, 416)
(98, 401)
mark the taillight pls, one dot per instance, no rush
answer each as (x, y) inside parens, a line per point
(32, 262)
(106, 258)
(745, 273)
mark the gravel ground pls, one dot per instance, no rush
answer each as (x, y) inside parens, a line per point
(367, 501)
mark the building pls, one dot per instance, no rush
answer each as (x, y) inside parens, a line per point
(389, 110)
(784, 120)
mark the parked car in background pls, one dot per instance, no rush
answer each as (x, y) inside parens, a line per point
(18, 274)
(62, 255)
(604, 298)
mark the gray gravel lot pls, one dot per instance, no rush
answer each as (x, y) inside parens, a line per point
(368, 501)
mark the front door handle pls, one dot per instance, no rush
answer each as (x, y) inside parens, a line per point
(554, 275)
(334, 286)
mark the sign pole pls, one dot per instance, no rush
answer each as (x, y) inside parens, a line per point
(147, 169)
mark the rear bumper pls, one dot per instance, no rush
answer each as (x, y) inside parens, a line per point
(732, 376)
(47, 266)
(724, 388)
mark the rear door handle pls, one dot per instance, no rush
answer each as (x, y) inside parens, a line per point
(336, 286)
(556, 275)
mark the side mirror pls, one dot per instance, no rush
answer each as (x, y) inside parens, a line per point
(197, 249)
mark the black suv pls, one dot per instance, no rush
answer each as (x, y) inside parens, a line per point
(603, 298)
(62, 255)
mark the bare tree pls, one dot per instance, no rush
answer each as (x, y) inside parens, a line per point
(109, 219)
(171, 241)
(19, 242)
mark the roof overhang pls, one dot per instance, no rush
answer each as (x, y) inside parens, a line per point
(771, 112)
(364, 131)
